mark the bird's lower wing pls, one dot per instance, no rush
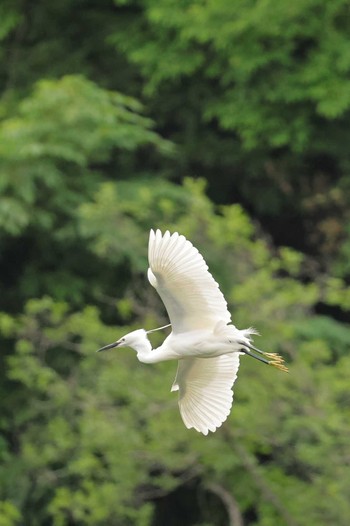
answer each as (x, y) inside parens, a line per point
(205, 390)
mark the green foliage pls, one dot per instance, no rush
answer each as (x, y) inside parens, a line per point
(9, 20)
(9, 514)
(261, 68)
(255, 96)
(102, 435)
(52, 150)
(49, 148)
(112, 221)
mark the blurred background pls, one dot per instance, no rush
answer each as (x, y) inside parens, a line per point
(225, 120)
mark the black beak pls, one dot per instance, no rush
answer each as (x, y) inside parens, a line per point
(109, 346)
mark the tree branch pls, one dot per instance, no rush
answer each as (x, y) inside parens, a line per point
(230, 503)
(251, 466)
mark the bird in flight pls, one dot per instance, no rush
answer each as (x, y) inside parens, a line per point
(203, 339)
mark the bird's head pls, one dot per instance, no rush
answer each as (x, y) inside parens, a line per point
(132, 339)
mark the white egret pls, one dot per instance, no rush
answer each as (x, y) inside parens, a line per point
(203, 339)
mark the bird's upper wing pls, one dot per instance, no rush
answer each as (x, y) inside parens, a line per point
(180, 275)
(205, 390)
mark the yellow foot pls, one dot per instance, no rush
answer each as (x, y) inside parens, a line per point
(276, 361)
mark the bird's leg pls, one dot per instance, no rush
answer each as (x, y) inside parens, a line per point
(270, 358)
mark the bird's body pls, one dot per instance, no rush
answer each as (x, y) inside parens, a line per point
(192, 344)
(203, 339)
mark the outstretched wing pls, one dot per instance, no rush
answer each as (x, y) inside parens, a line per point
(180, 275)
(205, 390)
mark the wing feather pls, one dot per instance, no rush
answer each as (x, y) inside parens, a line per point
(205, 390)
(180, 275)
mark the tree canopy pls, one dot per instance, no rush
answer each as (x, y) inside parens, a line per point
(226, 121)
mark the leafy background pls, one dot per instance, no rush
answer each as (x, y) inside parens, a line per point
(228, 121)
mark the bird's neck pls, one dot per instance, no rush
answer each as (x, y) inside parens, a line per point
(146, 354)
(143, 349)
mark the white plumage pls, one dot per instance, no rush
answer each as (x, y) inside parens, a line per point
(205, 390)
(204, 341)
(180, 275)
